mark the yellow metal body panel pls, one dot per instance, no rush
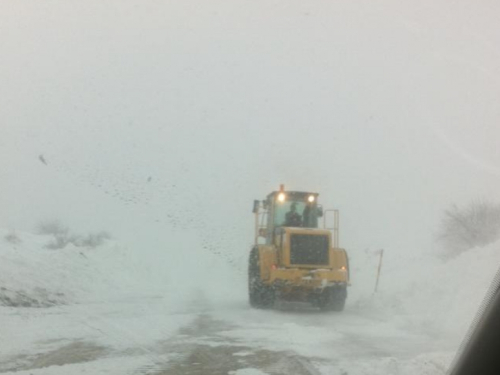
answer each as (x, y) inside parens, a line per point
(275, 267)
(267, 257)
(307, 278)
(340, 260)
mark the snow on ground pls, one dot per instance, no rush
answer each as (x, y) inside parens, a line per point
(414, 324)
(350, 342)
(427, 294)
(30, 271)
(247, 371)
(100, 296)
(106, 310)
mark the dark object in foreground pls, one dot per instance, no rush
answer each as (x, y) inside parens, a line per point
(479, 354)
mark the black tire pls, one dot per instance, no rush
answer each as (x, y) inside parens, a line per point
(253, 278)
(324, 299)
(333, 298)
(338, 305)
(259, 295)
(267, 297)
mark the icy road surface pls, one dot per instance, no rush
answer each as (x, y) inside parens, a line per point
(148, 336)
(81, 311)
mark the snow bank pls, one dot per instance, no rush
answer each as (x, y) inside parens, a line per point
(33, 276)
(182, 272)
(427, 294)
(428, 364)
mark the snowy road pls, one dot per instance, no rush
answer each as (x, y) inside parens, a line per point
(113, 311)
(149, 336)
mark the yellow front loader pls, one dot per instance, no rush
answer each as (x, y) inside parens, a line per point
(293, 259)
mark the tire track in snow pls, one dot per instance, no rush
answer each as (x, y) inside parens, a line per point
(202, 351)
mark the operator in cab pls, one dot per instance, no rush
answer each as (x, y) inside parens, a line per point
(308, 216)
(292, 218)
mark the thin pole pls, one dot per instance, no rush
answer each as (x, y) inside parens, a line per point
(378, 270)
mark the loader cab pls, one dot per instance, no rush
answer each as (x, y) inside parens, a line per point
(281, 204)
(271, 213)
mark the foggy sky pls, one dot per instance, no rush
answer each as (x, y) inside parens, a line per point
(389, 110)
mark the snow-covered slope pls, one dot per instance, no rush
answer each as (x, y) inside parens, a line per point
(33, 276)
(133, 299)
(427, 294)
(422, 293)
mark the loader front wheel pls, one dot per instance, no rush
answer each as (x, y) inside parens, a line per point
(260, 295)
(338, 305)
(333, 298)
(339, 295)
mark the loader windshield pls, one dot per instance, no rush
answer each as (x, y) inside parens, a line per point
(306, 214)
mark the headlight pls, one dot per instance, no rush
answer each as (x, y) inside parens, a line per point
(311, 198)
(281, 197)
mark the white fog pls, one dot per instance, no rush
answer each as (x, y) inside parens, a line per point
(161, 122)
